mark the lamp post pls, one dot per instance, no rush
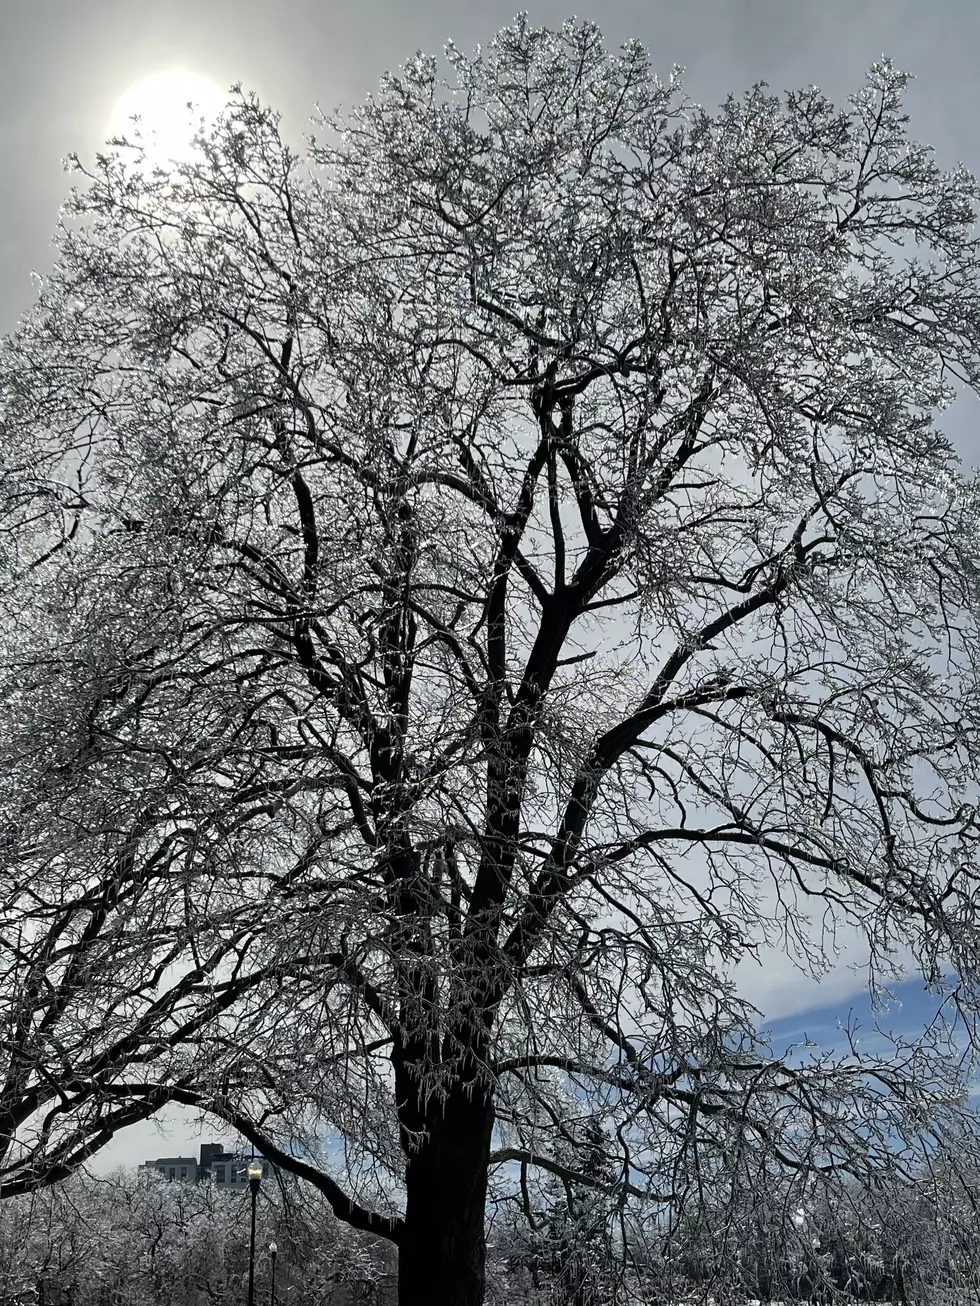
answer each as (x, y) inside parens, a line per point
(272, 1290)
(254, 1179)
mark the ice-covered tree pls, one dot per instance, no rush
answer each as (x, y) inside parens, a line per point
(465, 590)
(132, 1239)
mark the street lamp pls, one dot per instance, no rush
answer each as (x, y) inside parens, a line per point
(254, 1179)
(272, 1291)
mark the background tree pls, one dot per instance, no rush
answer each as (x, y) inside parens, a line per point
(131, 1239)
(461, 601)
(564, 1248)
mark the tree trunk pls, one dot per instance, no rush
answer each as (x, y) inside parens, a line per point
(442, 1257)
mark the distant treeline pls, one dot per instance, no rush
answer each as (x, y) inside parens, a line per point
(132, 1239)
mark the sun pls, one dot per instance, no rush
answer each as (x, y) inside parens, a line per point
(166, 125)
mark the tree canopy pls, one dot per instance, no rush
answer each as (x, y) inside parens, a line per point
(464, 590)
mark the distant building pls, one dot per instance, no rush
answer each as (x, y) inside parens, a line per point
(226, 1169)
(221, 1167)
(180, 1169)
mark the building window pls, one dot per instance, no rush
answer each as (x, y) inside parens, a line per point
(172, 1172)
(219, 1174)
(183, 1172)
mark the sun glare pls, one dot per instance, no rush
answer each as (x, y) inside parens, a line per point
(166, 126)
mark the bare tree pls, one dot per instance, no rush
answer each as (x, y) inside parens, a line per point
(467, 592)
(131, 1239)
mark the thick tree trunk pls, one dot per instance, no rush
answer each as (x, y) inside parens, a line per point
(442, 1257)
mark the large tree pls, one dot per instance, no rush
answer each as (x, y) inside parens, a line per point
(467, 590)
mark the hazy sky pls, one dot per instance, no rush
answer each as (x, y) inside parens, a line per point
(64, 64)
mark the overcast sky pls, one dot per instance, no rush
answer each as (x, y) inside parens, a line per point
(65, 63)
